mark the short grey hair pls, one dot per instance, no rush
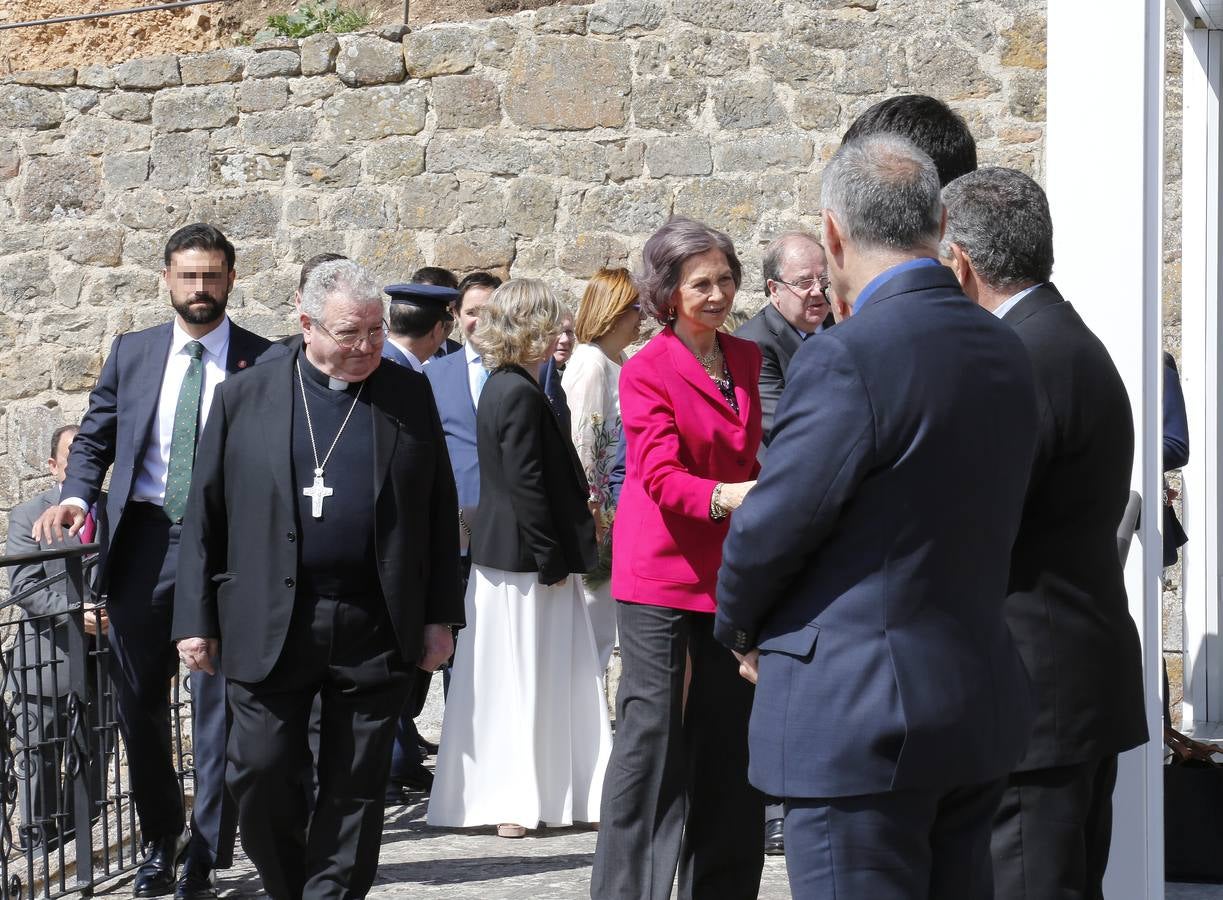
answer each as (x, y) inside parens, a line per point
(770, 265)
(341, 277)
(884, 192)
(1000, 218)
(663, 256)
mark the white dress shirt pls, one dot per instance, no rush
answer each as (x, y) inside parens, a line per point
(1011, 301)
(149, 485)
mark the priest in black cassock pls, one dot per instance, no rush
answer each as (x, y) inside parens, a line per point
(318, 558)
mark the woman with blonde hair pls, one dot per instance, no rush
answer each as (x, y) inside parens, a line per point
(525, 739)
(609, 320)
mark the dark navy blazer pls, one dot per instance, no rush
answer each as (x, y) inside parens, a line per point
(869, 564)
(116, 430)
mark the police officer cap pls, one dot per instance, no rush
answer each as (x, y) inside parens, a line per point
(422, 294)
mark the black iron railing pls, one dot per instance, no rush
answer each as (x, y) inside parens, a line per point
(67, 822)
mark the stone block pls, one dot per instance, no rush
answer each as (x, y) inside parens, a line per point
(359, 208)
(560, 20)
(304, 243)
(300, 210)
(130, 106)
(1024, 43)
(741, 15)
(867, 70)
(245, 216)
(214, 67)
(76, 370)
(496, 45)
(308, 91)
(709, 54)
(65, 76)
(81, 101)
(625, 160)
(619, 16)
(429, 202)
(797, 63)
(273, 63)
(679, 155)
(767, 153)
(334, 165)
(667, 103)
(149, 74)
(815, 109)
(389, 256)
(625, 208)
(239, 168)
(30, 427)
(96, 76)
(746, 103)
(318, 54)
(149, 209)
(192, 108)
(583, 254)
(568, 83)
(651, 54)
(278, 128)
(977, 25)
(731, 205)
(948, 71)
(376, 112)
(491, 153)
(366, 59)
(262, 94)
(125, 170)
(440, 50)
(180, 160)
(531, 206)
(393, 158)
(25, 280)
(475, 249)
(59, 187)
(1026, 96)
(92, 135)
(533, 258)
(10, 159)
(482, 203)
(393, 33)
(29, 107)
(466, 101)
(275, 42)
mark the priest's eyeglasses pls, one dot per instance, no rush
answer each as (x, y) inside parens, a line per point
(350, 340)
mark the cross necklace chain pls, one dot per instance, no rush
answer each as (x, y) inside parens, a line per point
(319, 490)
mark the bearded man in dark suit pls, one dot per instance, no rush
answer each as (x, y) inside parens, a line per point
(1066, 602)
(319, 558)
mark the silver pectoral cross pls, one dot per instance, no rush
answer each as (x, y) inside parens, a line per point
(316, 492)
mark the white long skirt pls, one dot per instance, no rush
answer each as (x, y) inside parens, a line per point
(525, 738)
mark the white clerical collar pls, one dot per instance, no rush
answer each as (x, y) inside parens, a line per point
(214, 341)
(315, 374)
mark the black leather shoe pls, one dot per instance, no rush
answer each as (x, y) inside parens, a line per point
(198, 882)
(774, 837)
(155, 877)
(416, 778)
(428, 748)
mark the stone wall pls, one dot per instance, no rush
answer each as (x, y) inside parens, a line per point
(547, 143)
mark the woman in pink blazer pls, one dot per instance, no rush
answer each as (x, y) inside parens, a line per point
(676, 790)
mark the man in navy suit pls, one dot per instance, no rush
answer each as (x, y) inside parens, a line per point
(149, 405)
(1067, 606)
(864, 577)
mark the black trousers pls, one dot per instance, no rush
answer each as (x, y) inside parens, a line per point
(676, 792)
(902, 845)
(143, 564)
(343, 651)
(1052, 832)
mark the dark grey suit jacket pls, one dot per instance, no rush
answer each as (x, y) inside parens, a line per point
(778, 343)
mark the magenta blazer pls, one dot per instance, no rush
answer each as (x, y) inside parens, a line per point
(682, 439)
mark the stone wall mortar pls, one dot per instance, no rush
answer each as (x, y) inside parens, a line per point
(546, 143)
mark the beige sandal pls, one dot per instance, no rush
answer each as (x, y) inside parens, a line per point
(509, 830)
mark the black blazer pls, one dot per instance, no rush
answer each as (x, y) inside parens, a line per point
(778, 343)
(116, 430)
(237, 566)
(1067, 604)
(533, 512)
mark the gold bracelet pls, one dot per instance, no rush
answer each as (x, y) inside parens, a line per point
(717, 509)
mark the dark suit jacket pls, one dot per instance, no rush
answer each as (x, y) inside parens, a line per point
(238, 558)
(450, 345)
(869, 564)
(46, 639)
(117, 428)
(1067, 605)
(448, 378)
(550, 381)
(533, 513)
(778, 343)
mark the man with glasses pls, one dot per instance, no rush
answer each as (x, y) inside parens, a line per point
(318, 559)
(151, 401)
(796, 285)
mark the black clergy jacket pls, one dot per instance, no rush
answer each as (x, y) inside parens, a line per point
(238, 562)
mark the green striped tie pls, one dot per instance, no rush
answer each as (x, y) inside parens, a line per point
(182, 440)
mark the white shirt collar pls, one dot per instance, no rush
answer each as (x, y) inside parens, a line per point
(416, 364)
(1011, 301)
(470, 353)
(214, 341)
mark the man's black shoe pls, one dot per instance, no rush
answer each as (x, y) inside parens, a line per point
(774, 837)
(197, 882)
(415, 778)
(428, 748)
(155, 877)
